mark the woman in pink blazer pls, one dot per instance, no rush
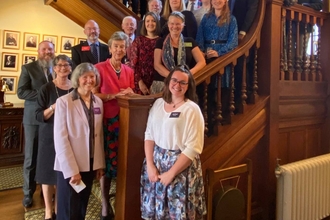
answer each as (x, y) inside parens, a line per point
(78, 138)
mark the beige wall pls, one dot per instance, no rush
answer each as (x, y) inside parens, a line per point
(32, 16)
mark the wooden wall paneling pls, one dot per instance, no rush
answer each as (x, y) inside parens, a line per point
(297, 145)
(313, 141)
(283, 145)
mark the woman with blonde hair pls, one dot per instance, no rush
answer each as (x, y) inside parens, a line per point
(190, 28)
(175, 49)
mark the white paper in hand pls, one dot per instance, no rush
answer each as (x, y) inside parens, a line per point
(78, 187)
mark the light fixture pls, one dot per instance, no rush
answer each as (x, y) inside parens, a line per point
(4, 89)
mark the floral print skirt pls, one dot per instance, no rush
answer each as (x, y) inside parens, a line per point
(182, 199)
(111, 131)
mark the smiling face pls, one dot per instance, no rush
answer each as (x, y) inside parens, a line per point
(218, 4)
(87, 81)
(155, 7)
(62, 68)
(129, 26)
(175, 25)
(118, 49)
(150, 23)
(92, 31)
(178, 84)
(46, 51)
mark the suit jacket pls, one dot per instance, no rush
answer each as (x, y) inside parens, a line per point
(30, 81)
(71, 136)
(80, 55)
(245, 11)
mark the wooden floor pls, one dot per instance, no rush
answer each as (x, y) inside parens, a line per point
(11, 207)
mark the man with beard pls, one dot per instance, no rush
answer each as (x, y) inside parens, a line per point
(33, 76)
(92, 50)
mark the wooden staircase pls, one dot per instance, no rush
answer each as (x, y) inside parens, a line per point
(254, 133)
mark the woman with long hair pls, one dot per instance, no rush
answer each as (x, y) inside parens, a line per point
(142, 54)
(171, 179)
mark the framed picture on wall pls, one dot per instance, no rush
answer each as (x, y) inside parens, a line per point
(51, 38)
(81, 40)
(11, 39)
(29, 58)
(11, 81)
(66, 44)
(9, 61)
(30, 41)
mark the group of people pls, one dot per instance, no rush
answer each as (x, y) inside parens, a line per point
(71, 114)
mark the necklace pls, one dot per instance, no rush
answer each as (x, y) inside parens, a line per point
(174, 105)
(57, 92)
(117, 71)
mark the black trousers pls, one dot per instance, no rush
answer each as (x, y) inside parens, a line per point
(70, 204)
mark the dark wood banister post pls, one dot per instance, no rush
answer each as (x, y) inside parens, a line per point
(132, 123)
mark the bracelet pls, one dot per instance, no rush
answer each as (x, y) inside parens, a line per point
(108, 97)
(51, 108)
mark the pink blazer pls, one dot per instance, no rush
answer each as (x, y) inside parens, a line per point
(71, 137)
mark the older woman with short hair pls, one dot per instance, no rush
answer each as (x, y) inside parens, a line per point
(116, 79)
(78, 138)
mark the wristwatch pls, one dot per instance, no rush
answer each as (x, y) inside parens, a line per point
(51, 108)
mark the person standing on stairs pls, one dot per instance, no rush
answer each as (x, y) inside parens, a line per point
(33, 76)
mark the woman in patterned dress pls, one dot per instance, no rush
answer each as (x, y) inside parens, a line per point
(116, 79)
(216, 36)
(171, 179)
(142, 54)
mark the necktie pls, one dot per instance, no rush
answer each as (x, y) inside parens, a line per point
(94, 52)
(49, 76)
(192, 6)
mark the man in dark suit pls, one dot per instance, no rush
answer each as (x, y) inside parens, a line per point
(92, 50)
(33, 76)
(244, 11)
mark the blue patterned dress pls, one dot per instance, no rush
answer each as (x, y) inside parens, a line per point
(209, 30)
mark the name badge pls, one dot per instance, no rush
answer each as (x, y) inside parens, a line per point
(187, 44)
(175, 114)
(97, 111)
(85, 48)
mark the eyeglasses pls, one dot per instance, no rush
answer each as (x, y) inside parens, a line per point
(65, 65)
(182, 83)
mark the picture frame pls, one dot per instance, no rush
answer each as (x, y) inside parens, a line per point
(30, 41)
(28, 58)
(51, 38)
(11, 81)
(11, 39)
(67, 43)
(81, 40)
(9, 61)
